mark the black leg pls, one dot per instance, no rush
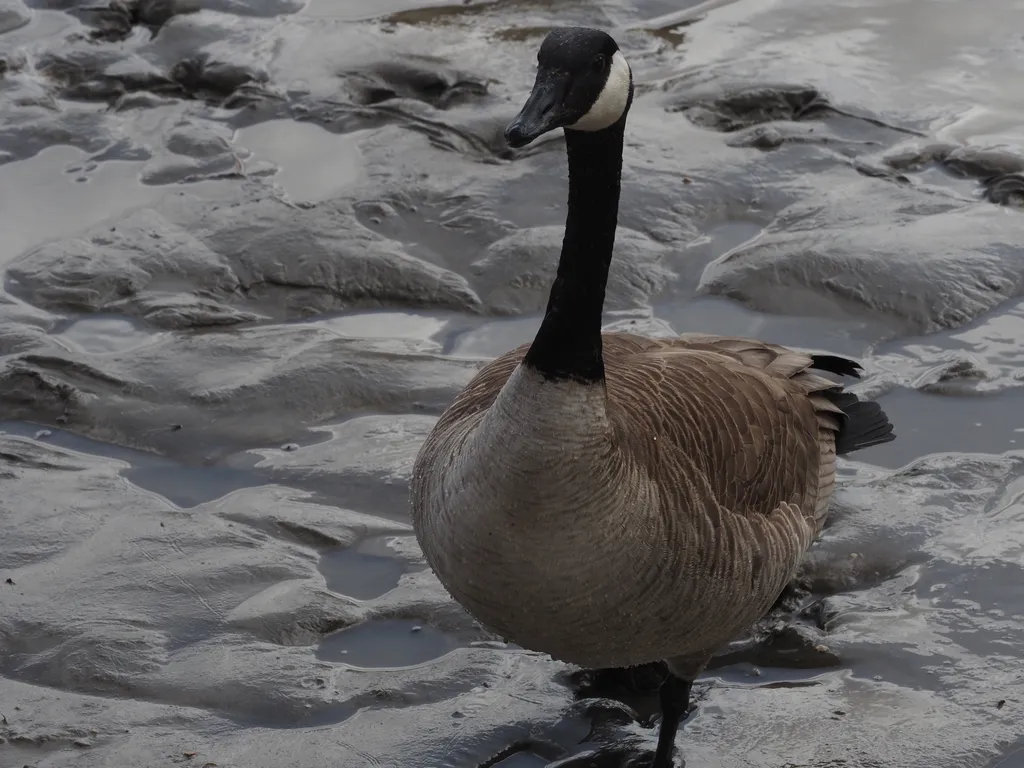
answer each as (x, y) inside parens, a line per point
(674, 695)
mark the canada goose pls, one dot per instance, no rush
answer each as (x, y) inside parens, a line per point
(611, 499)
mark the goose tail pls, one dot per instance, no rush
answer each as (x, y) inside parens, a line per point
(865, 424)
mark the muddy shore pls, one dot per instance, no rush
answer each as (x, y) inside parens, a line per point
(252, 248)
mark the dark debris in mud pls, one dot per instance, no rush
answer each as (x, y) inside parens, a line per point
(116, 20)
(767, 116)
(999, 171)
(84, 75)
(430, 82)
(1006, 189)
(480, 140)
(229, 85)
(742, 106)
(12, 62)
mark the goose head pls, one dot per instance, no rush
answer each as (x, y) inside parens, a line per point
(583, 84)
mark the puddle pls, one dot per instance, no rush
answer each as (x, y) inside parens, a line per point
(1012, 758)
(494, 338)
(104, 334)
(313, 162)
(182, 485)
(368, 570)
(63, 202)
(981, 424)
(994, 338)
(732, 233)
(388, 643)
(710, 314)
(704, 314)
(385, 325)
(959, 186)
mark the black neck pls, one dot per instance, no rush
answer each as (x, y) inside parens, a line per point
(568, 344)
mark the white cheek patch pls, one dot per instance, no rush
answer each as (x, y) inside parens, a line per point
(612, 100)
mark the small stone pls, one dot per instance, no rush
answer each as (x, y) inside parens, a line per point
(43, 433)
(82, 743)
(417, 628)
(290, 447)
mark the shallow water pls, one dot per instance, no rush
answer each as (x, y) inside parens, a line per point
(388, 643)
(251, 253)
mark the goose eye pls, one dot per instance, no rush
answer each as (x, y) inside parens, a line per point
(598, 63)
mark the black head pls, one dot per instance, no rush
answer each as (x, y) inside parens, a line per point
(583, 83)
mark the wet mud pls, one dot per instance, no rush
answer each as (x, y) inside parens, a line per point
(252, 249)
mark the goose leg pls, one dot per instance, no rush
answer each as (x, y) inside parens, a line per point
(674, 696)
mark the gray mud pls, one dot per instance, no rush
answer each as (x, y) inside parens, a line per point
(251, 250)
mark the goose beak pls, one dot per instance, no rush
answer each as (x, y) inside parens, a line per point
(539, 115)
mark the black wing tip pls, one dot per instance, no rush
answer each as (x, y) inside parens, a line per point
(841, 366)
(865, 425)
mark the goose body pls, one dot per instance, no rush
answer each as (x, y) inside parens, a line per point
(612, 499)
(653, 518)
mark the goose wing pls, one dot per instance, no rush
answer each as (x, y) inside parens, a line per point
(748, 422)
